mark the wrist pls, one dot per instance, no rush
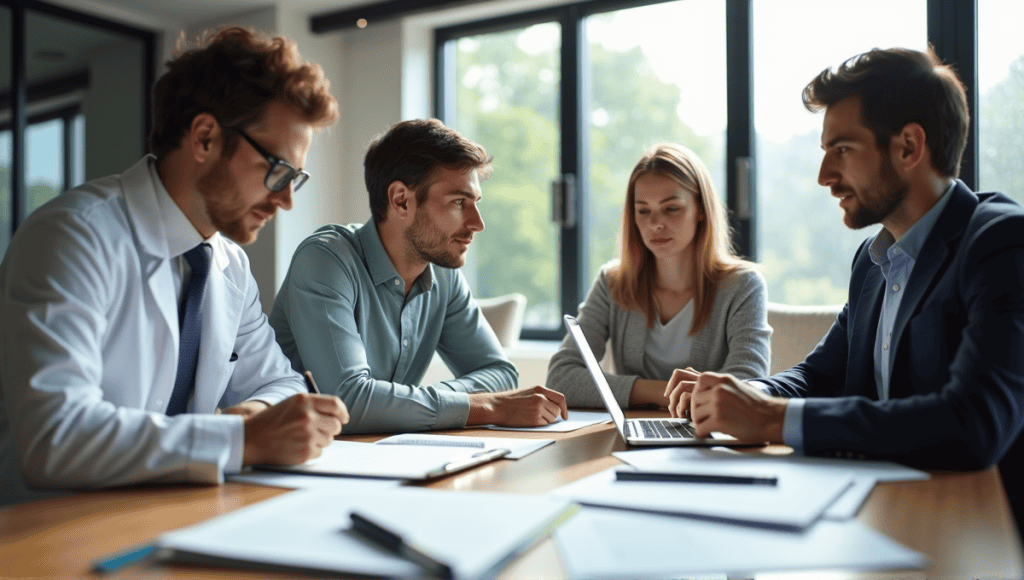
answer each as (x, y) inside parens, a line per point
(481, 409)
(648, 392)
(251, 449)
(774, 427)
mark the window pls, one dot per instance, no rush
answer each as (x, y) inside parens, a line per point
(517, 89)
(723, 77)
(72, 80)
(1001, 104)
(802, 243)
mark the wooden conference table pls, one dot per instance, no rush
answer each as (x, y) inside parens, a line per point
(960, 520)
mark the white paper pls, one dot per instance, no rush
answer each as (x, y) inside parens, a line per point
(720, 460)
(603, 543)
(576, 420)
(351, 458)
(298, 481)
(796, 502)
(715, 457)
(518, 448)
(309, 530)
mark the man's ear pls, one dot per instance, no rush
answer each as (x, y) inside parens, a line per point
(205, 137)
(401, 200)
(908, 148)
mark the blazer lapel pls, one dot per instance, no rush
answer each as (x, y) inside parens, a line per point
(860, 378)
(935, 253)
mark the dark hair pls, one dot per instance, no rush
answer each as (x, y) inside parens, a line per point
(899, 86)
(234, 74)
(410, 152)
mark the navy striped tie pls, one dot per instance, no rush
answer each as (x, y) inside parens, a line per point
(190, 318)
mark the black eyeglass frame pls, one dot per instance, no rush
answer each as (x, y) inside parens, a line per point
(297, 177)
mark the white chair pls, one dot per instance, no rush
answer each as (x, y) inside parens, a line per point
(797, 330)
(505, 315)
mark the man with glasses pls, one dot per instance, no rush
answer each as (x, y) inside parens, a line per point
(364, 307)
(133, 346)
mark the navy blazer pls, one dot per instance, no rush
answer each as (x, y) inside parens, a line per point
(957, 378)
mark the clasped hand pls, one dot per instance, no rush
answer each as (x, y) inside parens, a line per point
(722, 403)
(527, 407)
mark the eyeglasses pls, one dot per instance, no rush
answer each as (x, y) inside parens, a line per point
(281, 172)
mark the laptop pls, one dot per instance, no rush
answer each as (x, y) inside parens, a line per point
(640, 432)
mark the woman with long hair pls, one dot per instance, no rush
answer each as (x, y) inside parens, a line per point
(676, 298)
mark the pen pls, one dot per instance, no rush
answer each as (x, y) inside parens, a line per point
(630, 475)
(397, 545)
(310, 383)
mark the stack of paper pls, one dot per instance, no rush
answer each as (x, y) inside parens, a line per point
(477, 534)
(865, 474)
(795, 503)
(517, 448)
(576, 420)
(603, 543)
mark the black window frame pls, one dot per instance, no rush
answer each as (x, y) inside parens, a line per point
(20, 91)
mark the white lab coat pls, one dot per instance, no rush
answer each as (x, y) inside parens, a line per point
(89, 348)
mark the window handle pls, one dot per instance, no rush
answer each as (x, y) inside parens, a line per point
(563, 200)
(743, 186)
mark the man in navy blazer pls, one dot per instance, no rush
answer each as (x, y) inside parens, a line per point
(925, 363)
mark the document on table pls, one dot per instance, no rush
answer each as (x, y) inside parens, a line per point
(602, 543)
(517, 448)
(477, 534)
(350, 458)
(299, 481)
(576, 420)
(720, 460)
(794, 503)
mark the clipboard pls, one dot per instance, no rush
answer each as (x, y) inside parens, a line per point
(410, 462)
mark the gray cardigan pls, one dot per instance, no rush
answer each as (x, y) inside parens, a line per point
(734, 340)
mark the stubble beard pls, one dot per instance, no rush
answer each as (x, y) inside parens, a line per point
(891, 192)
(430, 244)
(225, 206)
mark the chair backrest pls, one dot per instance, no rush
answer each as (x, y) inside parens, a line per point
(505, 315)
(796, 331)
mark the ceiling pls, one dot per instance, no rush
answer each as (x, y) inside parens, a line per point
(201, 10)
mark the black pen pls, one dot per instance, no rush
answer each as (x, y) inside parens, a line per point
(310, 383)
(671, 476)
(398, 546)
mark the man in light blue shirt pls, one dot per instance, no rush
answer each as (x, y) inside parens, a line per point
(365, 307)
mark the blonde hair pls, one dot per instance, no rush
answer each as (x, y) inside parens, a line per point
(632, 280)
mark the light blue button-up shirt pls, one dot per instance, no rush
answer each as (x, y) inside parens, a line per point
(896, 260)
(343, 314)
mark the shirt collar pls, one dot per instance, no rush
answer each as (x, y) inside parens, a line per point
(182, 236)
(379, 264)
(884, 244)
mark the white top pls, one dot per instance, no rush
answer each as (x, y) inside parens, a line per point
(668, 345)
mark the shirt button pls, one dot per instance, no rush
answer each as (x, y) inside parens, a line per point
(895, 287)
(885, 346)
(397, 281)
(405, 342)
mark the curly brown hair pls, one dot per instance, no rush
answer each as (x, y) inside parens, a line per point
(234, 74)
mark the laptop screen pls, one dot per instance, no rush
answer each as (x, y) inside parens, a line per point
(595, 371)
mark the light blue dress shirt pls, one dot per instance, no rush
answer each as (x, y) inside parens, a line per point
(342, 314)
(896, 260)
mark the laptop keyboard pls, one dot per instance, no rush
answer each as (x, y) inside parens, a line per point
(661, 429)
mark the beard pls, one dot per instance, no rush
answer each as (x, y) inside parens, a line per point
(890, 192)
(430, 244)
(226, 207)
